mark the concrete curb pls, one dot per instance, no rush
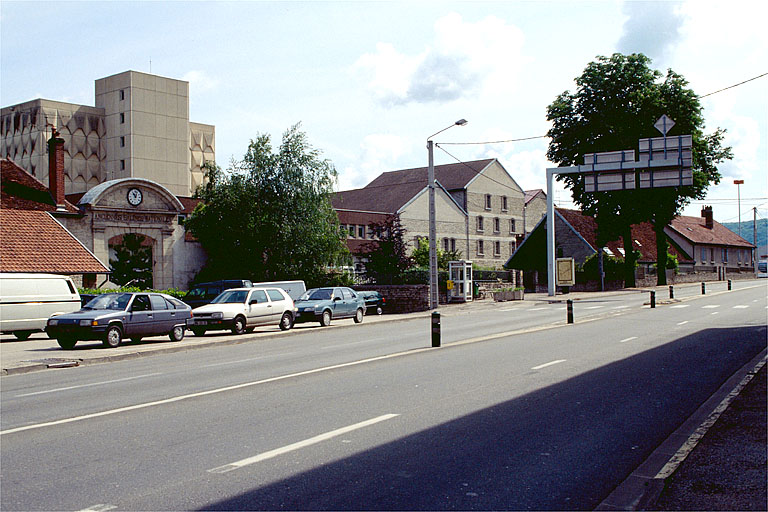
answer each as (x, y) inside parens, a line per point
(643, 487)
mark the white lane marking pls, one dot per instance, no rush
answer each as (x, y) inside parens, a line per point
(714, 312)
(245, 360)
(621, 307)
(548, 364)
(301, 444)
(508, 309)
(683, 322)
(740, 307)
(101, 507)
(536, 309)
(628, 339)
(711, 306)
(221, 390)
(594, 307)
(681, 305)
(354, 343)
(88, 385)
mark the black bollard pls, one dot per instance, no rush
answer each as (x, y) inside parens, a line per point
(653, 299)
(671, 292)
(729, 285)
(570, 311)
(435, 329)
(703, 289)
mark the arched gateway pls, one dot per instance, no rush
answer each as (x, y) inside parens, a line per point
(139, 206)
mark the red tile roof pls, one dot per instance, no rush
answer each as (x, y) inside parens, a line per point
(694, 229)
(531, 194)
(22, 191)
(643, 236)
(52, 249)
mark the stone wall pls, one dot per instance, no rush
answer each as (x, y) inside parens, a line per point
(405, 298)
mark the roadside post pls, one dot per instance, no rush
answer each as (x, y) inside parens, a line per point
(729, 285)
(435, 329)
(653, 299)
(703, 289)
(671, 292)
(569, 302)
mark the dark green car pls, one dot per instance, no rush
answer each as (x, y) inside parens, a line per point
(324, 304)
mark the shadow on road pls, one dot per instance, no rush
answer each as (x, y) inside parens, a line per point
(563, 447)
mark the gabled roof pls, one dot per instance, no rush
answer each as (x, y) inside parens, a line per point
(52, 249)
(22, 191)
(387, 200)
(451, 176)
(530, 195)
(694, 230)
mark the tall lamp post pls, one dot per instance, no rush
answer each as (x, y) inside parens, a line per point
(432, 228)
(738, 184)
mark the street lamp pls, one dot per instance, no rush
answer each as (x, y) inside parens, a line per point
(738, 192)
(432, 227)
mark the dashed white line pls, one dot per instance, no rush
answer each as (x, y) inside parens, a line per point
(711, 306)
(536, 309)
(594, 307)
(621, 307)
(548, 364)
(742, 306)
(683, 322)
(301, 444)
(714, 312)
(88, 385)
(101, 507)
(681, 306)
(628, 339)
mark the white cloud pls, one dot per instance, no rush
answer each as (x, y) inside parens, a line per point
(200, 82)
(463, 60)
(378, 153)
(651, 27)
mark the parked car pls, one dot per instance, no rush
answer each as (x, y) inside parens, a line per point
(374, 301)
(28, 300)
(242, 309)
(203, 293)
(323, 304)
(293, 288)
(113, 316)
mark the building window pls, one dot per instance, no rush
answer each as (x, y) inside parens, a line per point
(122, 117)
(453, 245)
(504, 203)
(361, 232)
(712, 254)
(511, 225)
(497, 248)
(487, 201)
(512, 248)
(725, 255)
(480, 251)
(446, 244)
(122, 165)
(480, 223)
(122, 141)
(703, 254)
(122, 94)
(496, 225)
(351, 231)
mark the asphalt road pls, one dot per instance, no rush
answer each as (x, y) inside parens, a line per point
(507, 415)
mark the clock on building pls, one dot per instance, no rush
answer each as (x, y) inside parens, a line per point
(134, 196)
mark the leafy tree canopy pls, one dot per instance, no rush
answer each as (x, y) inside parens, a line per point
(270, 216)
(388, 255)
(132, 262)
(420, 255)
(617, 101)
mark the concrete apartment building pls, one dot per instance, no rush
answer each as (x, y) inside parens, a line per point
(138, 128)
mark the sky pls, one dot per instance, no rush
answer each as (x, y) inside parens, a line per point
(371, 81)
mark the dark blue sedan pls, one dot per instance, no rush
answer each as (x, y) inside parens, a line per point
(323, 304)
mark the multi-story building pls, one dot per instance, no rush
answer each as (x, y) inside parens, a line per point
(479, 208)
(138, 128)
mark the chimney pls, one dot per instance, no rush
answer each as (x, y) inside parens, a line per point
(706, 212)
(56, 169)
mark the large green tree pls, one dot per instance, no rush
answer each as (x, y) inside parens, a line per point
(387, 256)
(617, 101)
(132, 264)
(270, 216)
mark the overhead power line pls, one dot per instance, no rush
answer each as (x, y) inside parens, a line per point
(734, 85)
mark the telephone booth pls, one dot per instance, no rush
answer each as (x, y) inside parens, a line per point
(460, 277)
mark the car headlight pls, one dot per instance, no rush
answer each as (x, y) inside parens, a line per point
(53, 321)
(86, 323)
(217, 316)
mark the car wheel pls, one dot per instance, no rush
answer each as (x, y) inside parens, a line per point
(177, 333)
(22, 335)
(113, 337)
(325, 320)
(379, 311)
(66, 342)
(198, 331)
(358, 316)
(239, 326)
(286, 322)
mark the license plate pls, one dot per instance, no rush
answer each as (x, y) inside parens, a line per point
(201, 322)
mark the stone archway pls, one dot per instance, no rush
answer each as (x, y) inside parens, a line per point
(131, 259)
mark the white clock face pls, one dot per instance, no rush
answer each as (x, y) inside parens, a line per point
(134, 196)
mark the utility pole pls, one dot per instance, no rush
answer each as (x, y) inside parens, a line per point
(738, 184)
(754, 239)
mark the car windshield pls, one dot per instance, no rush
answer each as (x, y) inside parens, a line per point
(113, 301)
(196, 292)
(231, 297)
(317, 294)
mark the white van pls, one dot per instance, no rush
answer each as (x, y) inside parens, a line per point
(27, 301)
(293, 288)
